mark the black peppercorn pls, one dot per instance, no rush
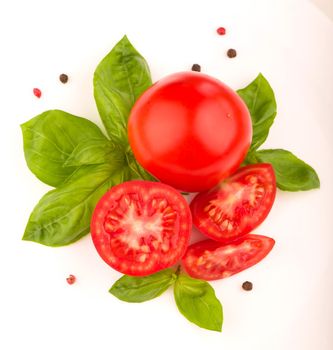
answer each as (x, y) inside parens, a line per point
(247, 286)
(231, 53)
(196, 68)
(63, 78)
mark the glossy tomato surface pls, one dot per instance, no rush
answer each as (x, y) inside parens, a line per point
(140, 227)
(190, 131)
(237, 205)
(212, 260)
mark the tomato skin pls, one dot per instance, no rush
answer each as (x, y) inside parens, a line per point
(141, 227)
(236, 206)
(190, 131)
(212, 260)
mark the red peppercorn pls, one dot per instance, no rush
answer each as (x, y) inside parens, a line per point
(220, 31)
(37, 92)
(71, 279)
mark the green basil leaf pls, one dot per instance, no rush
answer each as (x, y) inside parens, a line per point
(196, 300)
(292, 174)
(93, 151)
(139, 289)
(49, 140)
(137, 170)
(63, 215)
(260, 100)
(121, 77)
(79, 172)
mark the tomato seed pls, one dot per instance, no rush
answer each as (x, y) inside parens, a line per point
(220, 31)
(231, 53)
(71, 279)
(247, 286)
(196, 67)
(63, 78)
(37, 92)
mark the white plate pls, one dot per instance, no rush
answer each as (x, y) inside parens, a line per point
(290, 42)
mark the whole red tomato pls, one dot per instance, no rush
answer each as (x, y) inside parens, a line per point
(190, 131)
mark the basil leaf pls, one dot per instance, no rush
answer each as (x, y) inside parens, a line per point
(93, 151)
(139, 289)
(292, 174)
(63, 215)
(50, 138)
(260, 100)
(138, 171)
(196, 300)
(79, 172)
(121, 77)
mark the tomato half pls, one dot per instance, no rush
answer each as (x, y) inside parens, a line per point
(212, 260)
(140, 227)
(190, 131)
(237, 205)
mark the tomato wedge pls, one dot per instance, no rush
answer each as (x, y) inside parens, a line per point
(237, 205)
(140, 227)
(212, 260)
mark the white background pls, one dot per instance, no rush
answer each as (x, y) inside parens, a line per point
(291, 43)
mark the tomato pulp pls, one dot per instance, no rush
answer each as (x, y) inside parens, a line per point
(190, 131)
(211, 260)
(141, 227)
(236, 206)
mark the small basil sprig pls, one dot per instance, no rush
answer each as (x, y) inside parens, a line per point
(72, 154)
(292, 174)
(194, 298)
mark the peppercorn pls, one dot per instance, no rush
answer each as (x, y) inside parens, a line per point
(220, 31)
(71, 279)
(63, 78)
(247, 286)
(37, 92)
(231, 53)
(196, 67)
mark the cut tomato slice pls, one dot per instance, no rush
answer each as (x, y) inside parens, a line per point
(237, 205)
(212, 260)
(140, 227)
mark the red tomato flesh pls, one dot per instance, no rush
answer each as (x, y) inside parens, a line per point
(140, 227)
(236, 206)
(212, 260)
(190, 131)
